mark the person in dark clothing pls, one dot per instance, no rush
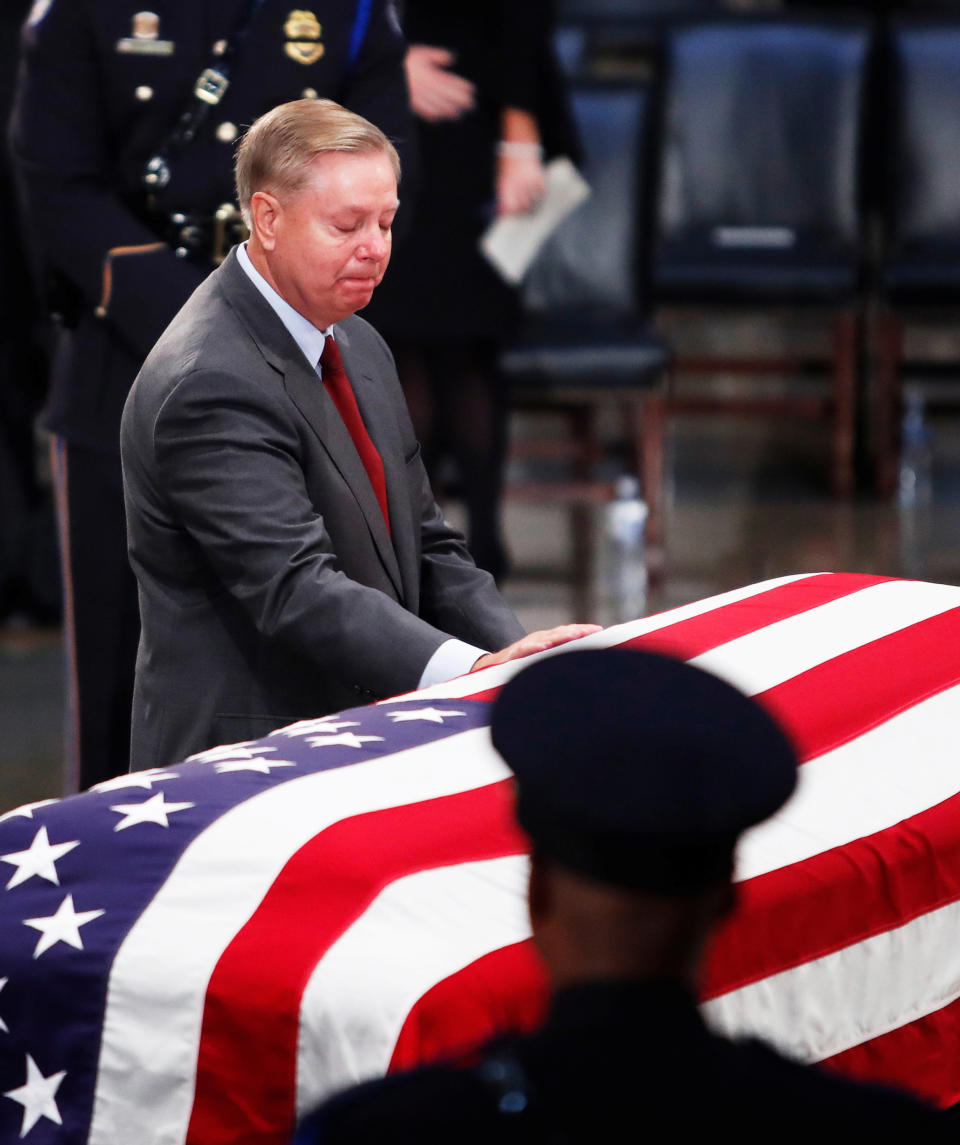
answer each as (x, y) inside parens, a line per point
(490, 106)
(636, 774)
(124, 130)
(29, 586)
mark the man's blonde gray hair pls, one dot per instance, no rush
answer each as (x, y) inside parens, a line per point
(277, 150)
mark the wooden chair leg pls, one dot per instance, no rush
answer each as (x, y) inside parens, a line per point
(582, 546)
(654, 459)
(583, 425)
(583, 418)
(886, 400)
(845, 349)
(645, 417)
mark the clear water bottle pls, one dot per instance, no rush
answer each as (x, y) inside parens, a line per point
(915, 486)
(625, 525)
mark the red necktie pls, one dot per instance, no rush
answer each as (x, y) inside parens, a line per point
(334, 377)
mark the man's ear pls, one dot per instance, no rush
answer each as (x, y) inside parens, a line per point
(265, 211)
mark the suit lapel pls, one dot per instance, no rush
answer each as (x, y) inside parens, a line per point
(312, 400)
(310, 396)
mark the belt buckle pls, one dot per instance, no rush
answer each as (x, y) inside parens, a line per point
(211, 86)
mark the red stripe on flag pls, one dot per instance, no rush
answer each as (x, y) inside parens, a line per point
(842, 698)
(485, 696)
(914, 1057)
(699, 634)
(242, 1047)
(822, 904)
(246, 1068)
(505, 990)
(782, 920)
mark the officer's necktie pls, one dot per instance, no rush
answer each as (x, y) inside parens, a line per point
(334, 377)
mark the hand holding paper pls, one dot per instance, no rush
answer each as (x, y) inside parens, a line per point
(513, 241)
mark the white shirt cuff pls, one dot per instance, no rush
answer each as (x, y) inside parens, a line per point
(453, 658)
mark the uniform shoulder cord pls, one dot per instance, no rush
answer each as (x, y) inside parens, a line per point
(208, 90)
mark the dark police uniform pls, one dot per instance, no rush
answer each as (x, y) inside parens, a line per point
(29, 582)
(639, 772)
(103, 85)
(622, 1062)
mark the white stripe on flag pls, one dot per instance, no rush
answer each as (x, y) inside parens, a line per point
(824, 1007)
(155, 996)
(610, 637)
(418, 931)
(157, 987)
(853, 791)
(787, 648)
(862, 787)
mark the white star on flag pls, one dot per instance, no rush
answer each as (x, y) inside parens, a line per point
(261, 765)
(37, 1096)
(152, 810)
(144, 779)
(64, 926)
(39, 859)
(324, 724)
(27, 810)
(431, 715)
(346, 739)
(241, 750)
(3, 1025)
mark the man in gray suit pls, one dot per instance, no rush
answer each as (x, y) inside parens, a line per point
(290, 555)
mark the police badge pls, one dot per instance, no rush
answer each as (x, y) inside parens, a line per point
(303, 33)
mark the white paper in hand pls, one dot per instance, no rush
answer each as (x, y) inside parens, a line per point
(513, 241)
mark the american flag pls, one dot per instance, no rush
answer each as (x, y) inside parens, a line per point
(201, 953)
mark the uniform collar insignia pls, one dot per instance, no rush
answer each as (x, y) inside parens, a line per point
(144, 38)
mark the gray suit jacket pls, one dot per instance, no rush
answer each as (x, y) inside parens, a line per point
(270, 589)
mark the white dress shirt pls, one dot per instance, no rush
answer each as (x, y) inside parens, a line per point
(453, 657)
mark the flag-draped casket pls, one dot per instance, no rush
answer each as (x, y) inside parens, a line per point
(198, 953)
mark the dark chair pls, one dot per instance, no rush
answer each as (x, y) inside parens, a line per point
(624, 12)
(586, 342)
(618, 37)
(920, 272)
(759, 197)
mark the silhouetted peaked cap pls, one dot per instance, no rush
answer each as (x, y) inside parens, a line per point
(637, 769)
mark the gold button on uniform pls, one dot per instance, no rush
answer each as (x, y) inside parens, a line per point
(143, 92)
(227, 132)
(219, 47)
(309, 93)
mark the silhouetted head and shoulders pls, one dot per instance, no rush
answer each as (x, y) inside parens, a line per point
(635, 776)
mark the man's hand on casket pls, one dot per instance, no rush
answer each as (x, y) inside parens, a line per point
(536, 642)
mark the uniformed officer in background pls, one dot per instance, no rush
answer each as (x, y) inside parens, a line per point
(29, 581)
(636, 774)
(124, 130)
